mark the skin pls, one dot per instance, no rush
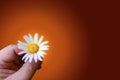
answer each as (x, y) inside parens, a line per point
(11, 66)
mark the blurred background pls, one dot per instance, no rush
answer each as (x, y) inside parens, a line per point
(83, 36)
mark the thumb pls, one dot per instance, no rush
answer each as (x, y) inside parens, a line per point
(26, 72)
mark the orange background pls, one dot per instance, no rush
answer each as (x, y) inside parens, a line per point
(60, 24)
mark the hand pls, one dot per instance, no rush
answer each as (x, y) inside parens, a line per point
(11, 66)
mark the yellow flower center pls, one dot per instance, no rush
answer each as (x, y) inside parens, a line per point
(33, 48)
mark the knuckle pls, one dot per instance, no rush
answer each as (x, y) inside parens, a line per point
(11, 46)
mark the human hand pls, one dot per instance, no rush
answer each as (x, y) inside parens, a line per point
(11, 66)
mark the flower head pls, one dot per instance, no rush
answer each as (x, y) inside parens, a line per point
(33, 48)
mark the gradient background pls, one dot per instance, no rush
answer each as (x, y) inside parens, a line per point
(80, 35)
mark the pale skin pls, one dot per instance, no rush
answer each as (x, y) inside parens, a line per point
(11, 66)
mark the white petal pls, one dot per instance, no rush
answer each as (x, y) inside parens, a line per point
(22, 52)
(36, 38)
(31, 58)
(40, 40)
(20, 46)
(30, 36)
(42, 55)
(43, 48)
(35, 58)
(22, 43)
(27, 39)
(39, 57)
(43, 43)
(41, 52)
(25, 56)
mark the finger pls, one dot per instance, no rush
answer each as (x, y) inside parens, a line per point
(9, 53)
(5, 73)
(13, 65)
(4, 65)
(27, 70)
(3, 76)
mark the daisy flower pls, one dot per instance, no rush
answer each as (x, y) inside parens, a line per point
(33, 48)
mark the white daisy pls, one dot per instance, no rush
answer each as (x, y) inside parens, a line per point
(33, 48)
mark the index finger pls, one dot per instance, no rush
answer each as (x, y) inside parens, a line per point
(9, 53)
